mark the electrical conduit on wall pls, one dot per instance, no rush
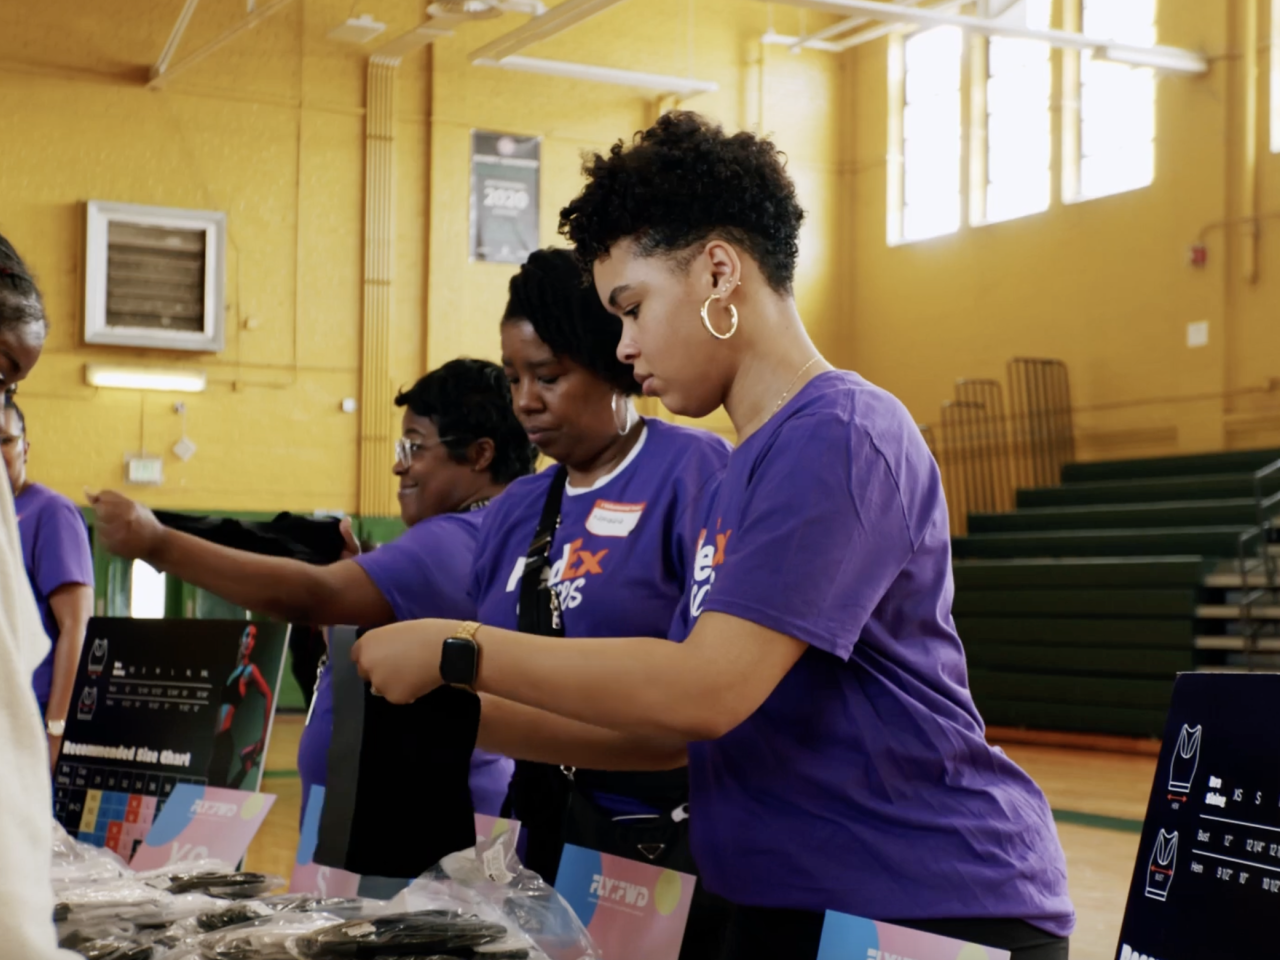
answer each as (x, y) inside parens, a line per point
(377, 415)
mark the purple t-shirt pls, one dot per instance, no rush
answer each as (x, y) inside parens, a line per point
(422, 574)
(621, 553)
(864, 783)
(55, 550)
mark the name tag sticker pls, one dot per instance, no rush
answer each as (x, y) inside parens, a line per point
(614, 519)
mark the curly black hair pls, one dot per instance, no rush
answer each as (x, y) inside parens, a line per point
(682, 182)
(469, 400)
(20, 301)
(567, 315)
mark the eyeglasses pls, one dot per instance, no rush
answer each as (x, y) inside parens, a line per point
(407, 450)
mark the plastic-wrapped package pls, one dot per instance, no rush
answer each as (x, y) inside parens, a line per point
(271, 938)
(211, 877)
(248, 911)
(425, 933)
(490, 883)
(74, 862)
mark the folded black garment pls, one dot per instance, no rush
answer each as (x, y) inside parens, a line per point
(398, 795)
(314, 540)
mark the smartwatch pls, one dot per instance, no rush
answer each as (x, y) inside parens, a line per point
(460, 658)
(56, 728)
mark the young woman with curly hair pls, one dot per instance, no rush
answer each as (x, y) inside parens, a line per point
(836, 759)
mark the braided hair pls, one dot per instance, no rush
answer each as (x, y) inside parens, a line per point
(551, 292)
(20, 301)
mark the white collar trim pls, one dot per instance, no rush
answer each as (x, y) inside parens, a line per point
(571, 491)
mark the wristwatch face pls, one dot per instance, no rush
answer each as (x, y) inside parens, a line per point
(459, 659)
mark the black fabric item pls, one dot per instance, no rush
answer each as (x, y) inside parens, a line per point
(315, 540)
(409, 761)
(766, 933)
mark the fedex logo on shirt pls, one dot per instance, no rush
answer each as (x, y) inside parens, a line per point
(568, 575)
(707, 556)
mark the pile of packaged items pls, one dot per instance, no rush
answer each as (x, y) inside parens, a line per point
(478, 904)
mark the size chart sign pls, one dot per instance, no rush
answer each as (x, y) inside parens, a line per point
(1207, 880)
(157, 704)
(504, 196)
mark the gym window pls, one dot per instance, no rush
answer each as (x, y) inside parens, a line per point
(1019, 84)
(929, 135)
(979, 111)
(1117, 102)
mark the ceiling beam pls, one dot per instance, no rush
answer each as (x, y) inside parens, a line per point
(175, 37)
(252, 20)
(556, 20)
(1171, 59)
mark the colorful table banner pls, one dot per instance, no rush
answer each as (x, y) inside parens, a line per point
(633, 910)
(203, 823)
(846, 937)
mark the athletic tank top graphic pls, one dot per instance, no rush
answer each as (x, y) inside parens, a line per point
(97, 657)
(1164, 857)
(88, 703)
(233, 695)
(1186, 757)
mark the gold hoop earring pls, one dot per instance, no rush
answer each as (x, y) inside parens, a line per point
(733, 319)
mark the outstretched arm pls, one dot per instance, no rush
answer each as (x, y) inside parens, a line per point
(697, 690)
(285, 589)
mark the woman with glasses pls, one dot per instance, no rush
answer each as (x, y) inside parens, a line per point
(836, 759)
(461, 446)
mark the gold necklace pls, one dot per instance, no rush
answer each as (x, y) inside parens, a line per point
(794, 379)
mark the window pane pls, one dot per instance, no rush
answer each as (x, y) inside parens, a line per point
(1019, 137)
(931, 134)
(146, 591)
(1117, 102)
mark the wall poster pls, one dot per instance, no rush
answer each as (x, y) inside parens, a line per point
(504, 196)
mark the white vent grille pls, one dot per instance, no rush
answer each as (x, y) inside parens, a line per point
(154, 277)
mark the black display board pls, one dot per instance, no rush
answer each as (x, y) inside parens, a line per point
(1207, 881)
(162, 702)
(504, 196)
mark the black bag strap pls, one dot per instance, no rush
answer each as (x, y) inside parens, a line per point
(539, 603)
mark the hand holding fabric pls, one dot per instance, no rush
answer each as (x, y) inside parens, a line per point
(125, 527)
(402, 661)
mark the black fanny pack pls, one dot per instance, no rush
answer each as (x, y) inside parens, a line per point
(558, 805)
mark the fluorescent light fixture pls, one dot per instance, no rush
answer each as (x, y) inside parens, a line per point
(145, 378)
(683, 86)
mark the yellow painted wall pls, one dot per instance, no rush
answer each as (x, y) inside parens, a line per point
(799, 110)
(270, 129)
(1103, 285)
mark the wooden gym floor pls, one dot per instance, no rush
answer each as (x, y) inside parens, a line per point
(1099, 800)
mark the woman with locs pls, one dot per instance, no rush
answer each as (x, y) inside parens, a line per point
(836, 759)
(598, 545)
